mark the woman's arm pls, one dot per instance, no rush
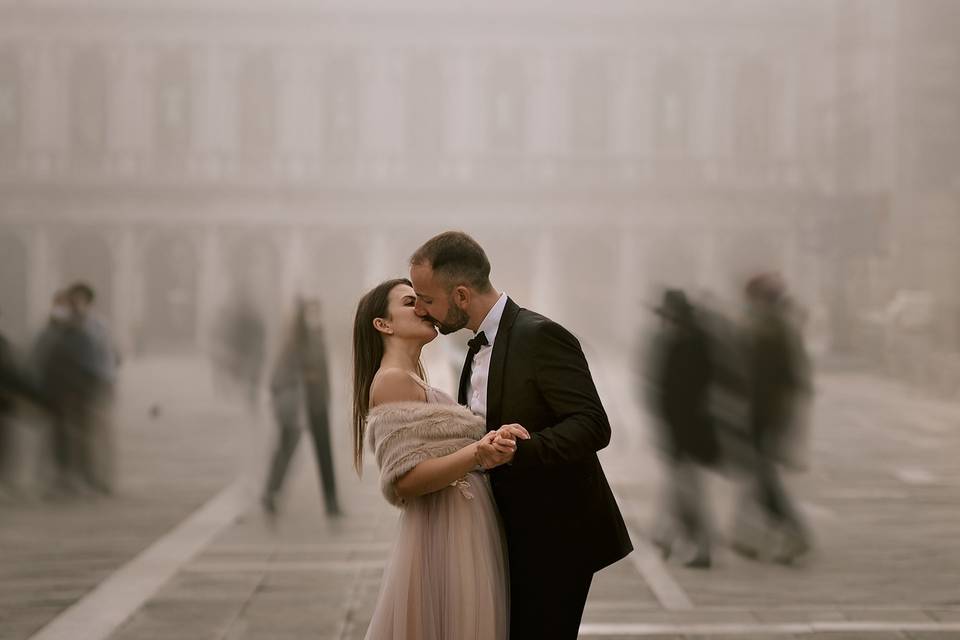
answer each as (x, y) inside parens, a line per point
(436, 473)
(396, 385)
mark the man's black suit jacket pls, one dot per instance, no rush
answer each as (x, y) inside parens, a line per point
(556, 505)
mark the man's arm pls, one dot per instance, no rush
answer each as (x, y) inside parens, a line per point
(563, 378)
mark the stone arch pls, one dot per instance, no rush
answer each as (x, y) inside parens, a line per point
(170, 265)
(337, 275)
(87, 256)
(251, 262)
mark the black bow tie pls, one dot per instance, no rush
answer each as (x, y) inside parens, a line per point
(479, 340)
(473, 347)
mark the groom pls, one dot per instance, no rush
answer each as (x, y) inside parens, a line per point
(561, 521)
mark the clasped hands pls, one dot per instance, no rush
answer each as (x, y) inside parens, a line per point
(498, 447)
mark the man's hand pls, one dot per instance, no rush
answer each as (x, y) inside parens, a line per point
(512, 432)
(498, 447)
(493, 451)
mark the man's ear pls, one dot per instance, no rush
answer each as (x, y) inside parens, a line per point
(461, 296)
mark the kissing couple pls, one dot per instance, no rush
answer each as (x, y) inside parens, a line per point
(505, 511)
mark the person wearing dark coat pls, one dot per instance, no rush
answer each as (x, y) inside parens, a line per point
(240, 350)
(680, 378)
(56, 374)
(88, 361)
(300, 379)
(10, 382)
(778, 380)
(15, 383)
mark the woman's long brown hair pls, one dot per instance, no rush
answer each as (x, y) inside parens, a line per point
(367, 354)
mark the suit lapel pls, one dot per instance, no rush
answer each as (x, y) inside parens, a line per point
(498, 361)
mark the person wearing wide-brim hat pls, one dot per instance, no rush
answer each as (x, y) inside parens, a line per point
(680, 377)
(674, 306)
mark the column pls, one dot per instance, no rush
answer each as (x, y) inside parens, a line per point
(216, 108)
(382, 108)
(642, 111)
(40, 287)
(628, 284)
(376, 268)
(208, 286)
(292, 265)
(547, 106)
(709, 276)
(713, 117)
(130, 107)
(544, 273)
(128, 288)
(45, 123)
(624, 98)
(298, 114)
(465, 126)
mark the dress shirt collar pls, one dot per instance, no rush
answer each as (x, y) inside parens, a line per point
(491, 323)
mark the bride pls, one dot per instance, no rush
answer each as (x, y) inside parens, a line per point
(447, 577)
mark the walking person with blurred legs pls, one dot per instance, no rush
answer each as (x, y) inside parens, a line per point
(778, 380)
(93, 362)
(16, 384)
(54, 373)
(680, 379)
(301, 380)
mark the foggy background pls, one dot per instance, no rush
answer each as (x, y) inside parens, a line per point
(182, 155)
(174, 154)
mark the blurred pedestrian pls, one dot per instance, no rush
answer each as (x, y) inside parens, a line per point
(15, 383)
(241, 348)
(680, 376)
(778, 382)
(300, 380)
(8, 381)
(55, 373)
(88, 352)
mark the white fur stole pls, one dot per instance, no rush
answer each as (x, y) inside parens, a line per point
(404, 434)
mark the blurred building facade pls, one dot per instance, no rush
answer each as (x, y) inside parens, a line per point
(175, 153)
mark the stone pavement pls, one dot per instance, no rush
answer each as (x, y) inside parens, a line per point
(882, 495)
(53, 552)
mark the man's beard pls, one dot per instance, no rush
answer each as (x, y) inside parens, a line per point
(456, 319)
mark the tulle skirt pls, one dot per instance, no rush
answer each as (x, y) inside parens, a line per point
(447, 577)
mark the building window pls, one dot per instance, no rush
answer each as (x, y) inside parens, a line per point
(173, 105)
(590, 87)
(10, 107)
(340, 104)
(425, 105)
(672, 108)
(752, 111)
(506, 107)
(257, 113)
(88, 89)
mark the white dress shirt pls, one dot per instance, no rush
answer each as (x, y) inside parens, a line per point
(480, 373)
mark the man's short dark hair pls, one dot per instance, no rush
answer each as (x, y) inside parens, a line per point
(457, 258)
(82, 289)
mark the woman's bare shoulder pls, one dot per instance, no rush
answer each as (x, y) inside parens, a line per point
(395, 385)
